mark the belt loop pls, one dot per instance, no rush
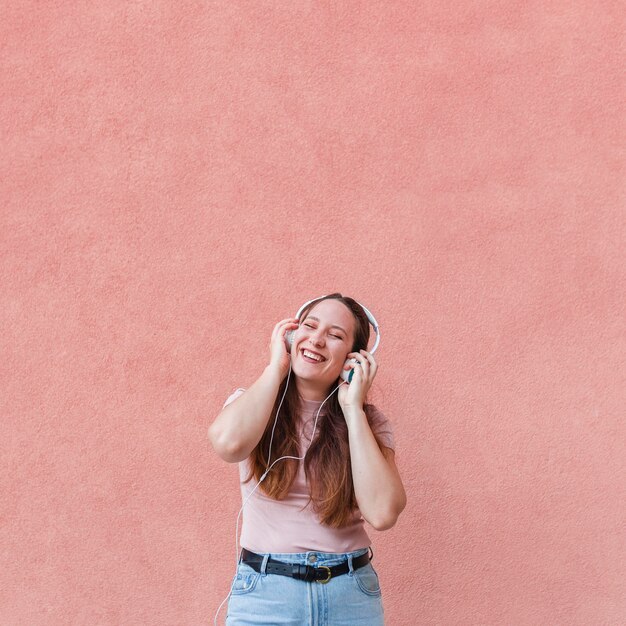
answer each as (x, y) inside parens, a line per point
(350, 567)
(264, 564)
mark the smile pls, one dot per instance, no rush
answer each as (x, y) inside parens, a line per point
(311, 357)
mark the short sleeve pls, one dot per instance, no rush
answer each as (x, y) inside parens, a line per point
(234, 395)
(381, 426)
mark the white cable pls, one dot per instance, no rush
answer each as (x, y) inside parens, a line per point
(267, 469)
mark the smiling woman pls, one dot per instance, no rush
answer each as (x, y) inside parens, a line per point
(322, 466)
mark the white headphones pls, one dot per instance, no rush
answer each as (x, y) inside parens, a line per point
(345, 374)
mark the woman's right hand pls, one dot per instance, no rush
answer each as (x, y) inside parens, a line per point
(279, 357)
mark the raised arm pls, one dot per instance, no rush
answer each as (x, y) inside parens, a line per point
(239, 427)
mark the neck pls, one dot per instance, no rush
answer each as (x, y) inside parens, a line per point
(309, 392)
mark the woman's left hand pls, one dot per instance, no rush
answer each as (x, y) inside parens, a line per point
(351, 395)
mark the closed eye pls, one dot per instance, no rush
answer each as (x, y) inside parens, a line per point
(336, 336)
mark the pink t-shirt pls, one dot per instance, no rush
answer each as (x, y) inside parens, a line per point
(280, 525)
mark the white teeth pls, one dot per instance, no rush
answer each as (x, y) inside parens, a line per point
(312, 356)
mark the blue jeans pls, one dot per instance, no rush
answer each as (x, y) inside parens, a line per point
(352, 599)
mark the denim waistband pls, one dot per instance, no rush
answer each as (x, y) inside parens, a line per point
(313, 556)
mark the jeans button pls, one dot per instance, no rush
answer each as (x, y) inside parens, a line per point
(312, 558)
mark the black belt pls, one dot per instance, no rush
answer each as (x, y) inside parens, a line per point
(321, 574)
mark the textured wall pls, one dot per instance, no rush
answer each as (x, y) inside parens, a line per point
(179, 176)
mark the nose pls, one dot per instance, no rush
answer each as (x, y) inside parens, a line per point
(315, 340)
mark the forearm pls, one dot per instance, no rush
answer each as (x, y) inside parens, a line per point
(240, 425)
(377, 485)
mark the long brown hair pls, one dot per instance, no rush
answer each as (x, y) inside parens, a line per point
(327, 461)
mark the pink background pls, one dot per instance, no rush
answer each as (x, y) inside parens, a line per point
(179, 176)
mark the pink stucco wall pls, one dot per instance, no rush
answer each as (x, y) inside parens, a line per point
(178, 176)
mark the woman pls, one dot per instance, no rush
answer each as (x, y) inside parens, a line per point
(322, 465)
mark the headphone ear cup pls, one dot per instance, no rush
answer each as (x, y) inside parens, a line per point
(348, 374)
(289, 340)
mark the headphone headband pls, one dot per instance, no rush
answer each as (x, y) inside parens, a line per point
(370, 317)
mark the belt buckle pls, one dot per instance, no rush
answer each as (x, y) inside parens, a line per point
(323, 582)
